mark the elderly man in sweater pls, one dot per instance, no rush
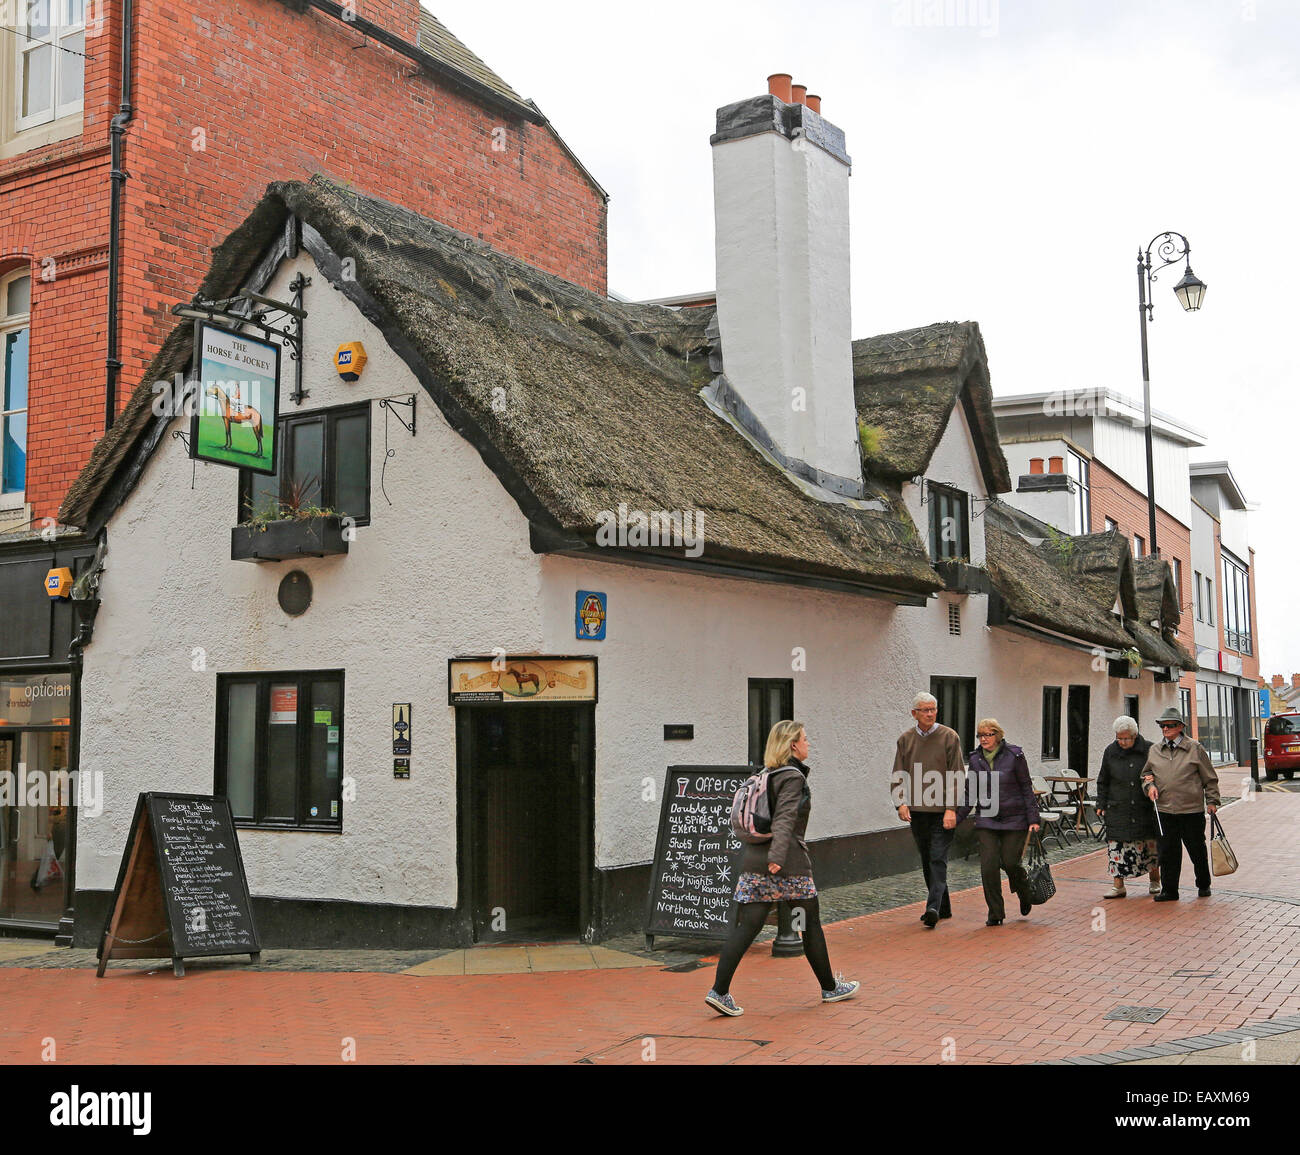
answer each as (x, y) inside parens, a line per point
(926, 784)
(1179, 779)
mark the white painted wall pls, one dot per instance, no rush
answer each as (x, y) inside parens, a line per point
(781, 211)
(446, 570)
(390, 613)
(1056, 507)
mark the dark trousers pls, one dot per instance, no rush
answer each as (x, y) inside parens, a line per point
(749, 921)
(933, 843)
(1001, 850)
(1182, 830)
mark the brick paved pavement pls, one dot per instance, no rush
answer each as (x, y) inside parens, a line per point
(1035, 989)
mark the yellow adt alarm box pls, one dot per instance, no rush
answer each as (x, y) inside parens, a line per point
(350, 359)
(58, 582)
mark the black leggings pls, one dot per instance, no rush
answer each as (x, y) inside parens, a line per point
(749, 921)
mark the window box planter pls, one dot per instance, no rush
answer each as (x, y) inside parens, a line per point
(288, 540)
(961, 577)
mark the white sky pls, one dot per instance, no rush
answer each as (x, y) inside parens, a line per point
(1010, 158)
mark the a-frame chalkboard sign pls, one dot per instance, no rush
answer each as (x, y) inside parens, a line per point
(181, 890)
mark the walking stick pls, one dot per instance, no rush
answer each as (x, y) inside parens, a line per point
(1156, 808)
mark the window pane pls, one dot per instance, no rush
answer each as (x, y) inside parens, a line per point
(307, 447)
(75, 13)
(15, 370)
(325, 753)
(13, 452)
(241, 747)
(72, 69)
(282, 751)
(38, 18)
(37, 80)
(351, 466)
(18, 297)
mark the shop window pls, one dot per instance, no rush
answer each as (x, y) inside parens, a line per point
(279, 756)
(322, 459)
(15, 311)
(956, 697)
(949, 522)
(771, 700)
(1051, 721)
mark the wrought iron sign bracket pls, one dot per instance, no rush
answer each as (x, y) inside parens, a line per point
(276, 320)
(409, 399)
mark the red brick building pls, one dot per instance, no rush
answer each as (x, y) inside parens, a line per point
(222, 100)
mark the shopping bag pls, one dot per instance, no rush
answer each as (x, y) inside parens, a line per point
(1222, 860)
(1040, 886)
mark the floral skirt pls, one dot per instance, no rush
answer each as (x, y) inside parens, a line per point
(1131, 859)
(754, 887)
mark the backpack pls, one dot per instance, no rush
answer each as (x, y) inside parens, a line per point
(751, 807)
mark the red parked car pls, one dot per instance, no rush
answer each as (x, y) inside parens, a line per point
(1282, 745)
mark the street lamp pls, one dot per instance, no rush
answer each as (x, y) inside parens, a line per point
(1168, 248)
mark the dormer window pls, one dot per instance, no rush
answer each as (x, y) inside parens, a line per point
(949, 522)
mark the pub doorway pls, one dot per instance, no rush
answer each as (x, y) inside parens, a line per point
(526, 828)
(1077, 721)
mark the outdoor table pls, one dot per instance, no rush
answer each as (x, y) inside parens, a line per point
(1075, 794)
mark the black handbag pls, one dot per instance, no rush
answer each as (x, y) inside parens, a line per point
(1039, 886)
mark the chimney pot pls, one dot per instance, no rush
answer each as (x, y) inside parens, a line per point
(1035, 465)
(1295, 681)
(778, 85)
(800, 93)
(1278, 681)
(1056, 465)
(814, 102)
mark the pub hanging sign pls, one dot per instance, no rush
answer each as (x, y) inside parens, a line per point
(238, 403)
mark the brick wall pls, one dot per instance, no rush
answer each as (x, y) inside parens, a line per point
(228, 98)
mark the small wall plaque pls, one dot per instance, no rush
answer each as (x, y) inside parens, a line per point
(401, 767)
(675, 732)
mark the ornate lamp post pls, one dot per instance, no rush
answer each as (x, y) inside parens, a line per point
(1190, 291)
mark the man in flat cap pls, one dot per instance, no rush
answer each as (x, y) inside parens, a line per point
(1179, 779)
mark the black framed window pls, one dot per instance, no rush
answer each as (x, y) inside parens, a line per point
(279, 756)
(1236, 605)
(1185, 706)
(1051, 721)
(949, 522)
(323, 456)
(771, 700)
(956, 697)
(1076, 469)
(1131, 707)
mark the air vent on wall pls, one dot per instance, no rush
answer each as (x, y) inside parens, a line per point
(954, 619)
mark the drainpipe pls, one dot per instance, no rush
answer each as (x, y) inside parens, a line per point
(118, 177)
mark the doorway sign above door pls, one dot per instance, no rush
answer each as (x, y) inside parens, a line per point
(521, 680)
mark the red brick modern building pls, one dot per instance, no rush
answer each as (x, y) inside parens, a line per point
(134, 136)
(223, 99)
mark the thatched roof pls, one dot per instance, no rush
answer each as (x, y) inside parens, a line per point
(602, 402)
(1071, 585)
(1157, 596)
(907, 386)
(1038, 588)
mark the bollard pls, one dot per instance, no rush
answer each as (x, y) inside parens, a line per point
(1254, 764)
(788, 942)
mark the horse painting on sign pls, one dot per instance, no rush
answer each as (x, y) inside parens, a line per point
(235, 414)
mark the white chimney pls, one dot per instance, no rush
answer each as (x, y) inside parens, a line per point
(781, 206)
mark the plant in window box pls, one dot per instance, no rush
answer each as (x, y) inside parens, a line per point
(293, 526)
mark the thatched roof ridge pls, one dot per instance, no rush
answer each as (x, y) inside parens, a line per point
(602, 402)
(906, 386)
(1039, 589)
(1157, 596)
(1103, 563)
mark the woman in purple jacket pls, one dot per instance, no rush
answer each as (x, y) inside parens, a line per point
(1001, 796)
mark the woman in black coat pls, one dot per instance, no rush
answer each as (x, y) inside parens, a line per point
(1129, 816)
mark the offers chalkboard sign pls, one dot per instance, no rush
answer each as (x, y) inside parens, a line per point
(696, 855)
(181, 890)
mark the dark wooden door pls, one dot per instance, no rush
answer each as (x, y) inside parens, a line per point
(528, 775)
(1076, 729)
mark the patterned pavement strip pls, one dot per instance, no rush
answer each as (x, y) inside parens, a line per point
(1034, 989)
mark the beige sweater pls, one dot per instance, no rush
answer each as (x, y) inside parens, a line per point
(940, 782)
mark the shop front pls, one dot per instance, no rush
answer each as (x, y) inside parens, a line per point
(37, 795)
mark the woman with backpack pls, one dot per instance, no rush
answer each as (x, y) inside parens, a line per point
(779, 870)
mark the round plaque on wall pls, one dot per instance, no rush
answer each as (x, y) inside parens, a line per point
(295, 593)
